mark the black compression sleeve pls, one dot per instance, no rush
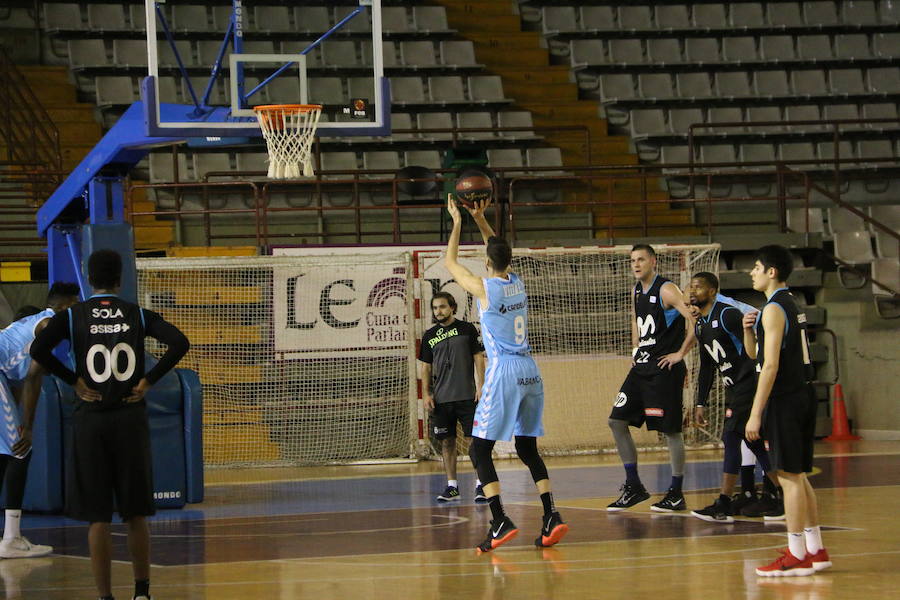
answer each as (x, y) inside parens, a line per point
(177, 344)
(57, 330)
(705, 377)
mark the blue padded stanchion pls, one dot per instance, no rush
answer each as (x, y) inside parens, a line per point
(164, 408)
(44, 486)
(192, 394)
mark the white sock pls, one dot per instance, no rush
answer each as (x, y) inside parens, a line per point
(797, 545)
(452, 483)
(477, 482)
(748, 459)
(11, 528)
(813, 537)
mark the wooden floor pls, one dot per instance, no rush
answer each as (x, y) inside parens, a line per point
(376, 532)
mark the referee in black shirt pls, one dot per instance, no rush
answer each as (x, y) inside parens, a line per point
(110, 452)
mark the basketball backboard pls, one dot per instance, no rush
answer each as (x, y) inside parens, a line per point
(209, 65)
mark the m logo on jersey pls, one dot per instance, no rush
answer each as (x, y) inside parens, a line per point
(621, 399)
(646, 326)
(716, 351)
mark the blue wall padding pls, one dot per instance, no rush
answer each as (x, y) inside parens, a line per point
(192, 393)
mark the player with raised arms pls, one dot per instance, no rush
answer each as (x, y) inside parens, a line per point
(661, 335)
(784, 407)
(720, 336)
(512, 398)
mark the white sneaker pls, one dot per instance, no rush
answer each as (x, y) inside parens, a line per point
(20, 547)
(141, 598)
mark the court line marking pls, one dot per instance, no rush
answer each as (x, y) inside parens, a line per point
(480, 573)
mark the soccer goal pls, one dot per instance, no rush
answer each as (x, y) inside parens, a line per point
(312, 359)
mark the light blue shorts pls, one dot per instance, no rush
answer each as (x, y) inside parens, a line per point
(512, 400)
(9, 418)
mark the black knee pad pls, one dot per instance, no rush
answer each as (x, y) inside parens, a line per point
(526, 448)
(480, 452)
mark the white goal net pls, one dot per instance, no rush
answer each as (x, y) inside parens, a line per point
(311, 359)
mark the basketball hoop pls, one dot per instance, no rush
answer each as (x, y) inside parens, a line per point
(288, 130)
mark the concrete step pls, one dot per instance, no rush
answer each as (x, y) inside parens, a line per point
(548, 74)
(468, 10)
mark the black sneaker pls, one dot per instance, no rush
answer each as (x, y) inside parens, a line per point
(742, 499)
(769, 506)
(449, 495)
(717, 512)
(479, 494)
(498, 534)
(671, 502)
(631, 495)
(553, 529)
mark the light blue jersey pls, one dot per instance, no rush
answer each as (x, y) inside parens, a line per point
(504, 323)
(15, 342)
(741, 306)
(512, 398)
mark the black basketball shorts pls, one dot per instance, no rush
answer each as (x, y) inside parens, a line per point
(111, 466)
(447, 414)
(737, 411)
(789, 427)
(654, 398)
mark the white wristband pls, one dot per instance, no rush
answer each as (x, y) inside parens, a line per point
(634, 351)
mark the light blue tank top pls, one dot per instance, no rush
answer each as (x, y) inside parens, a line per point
(15, 342)
(504, 323)
(741, 306)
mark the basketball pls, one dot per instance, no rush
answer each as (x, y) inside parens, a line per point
(473, 188)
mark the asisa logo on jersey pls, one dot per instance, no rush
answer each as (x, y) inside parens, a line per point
(107, 313)
(621, 399)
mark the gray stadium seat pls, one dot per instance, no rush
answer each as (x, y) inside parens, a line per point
(417, 53)
(885, 245)
(402, 121)
(777, 47)
(167, 57)
(854, 247)
(635, 17)
(834, 112)
(339, 161)
(655, 85)
(162, 170)
(190, 17)
(138, 17)
(457, 53)
(430, 159)
(885, 81)
(395, 19)
(762, 114)
(803, 113)
(381, 160)
(475, 120)
(436, 120)
(598, 18)
(312, 19)
(809, 83)
(313, 57)
(785, 14)
(618, 86)
(509, 159)
(694, 85)
(888, 215)
(797, 220)
(88, 53)
(558, 18)
(587, 52)
(63, 16)
(800, 151)
(888, 11)
(843, 221)
(674, 16)
(880, 111)
(388, 54)
(168, 89)
(821, 13)
(516, 118)
(725, 114)
(758, 153)
(664, 50)
(486, 88)
(132, 53)
(875, 149)
(361, 23)
(407, 90)
(106, 17)
(772, 84)
(645, 123)
(114, 90)
(272, 19)
(681, 119)
(886, 271)
(284, 90)
(854, 46)
(627, 51)
(430, 18)
(702, 50)
(446, 89)
(747, 14)
(360, 87)
(709, 16)
(209, 162)
(739, 49)
(326, 90)
(845, 82)
(826, 150)
(733, 84)
(718, 153)
(814, 47)
(216, 96)
(544, 157)
(339, 53)
(887, 45)
(860, 12)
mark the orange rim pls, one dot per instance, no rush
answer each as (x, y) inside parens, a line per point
(302, 108)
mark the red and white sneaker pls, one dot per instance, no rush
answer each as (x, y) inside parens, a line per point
(787, 565)
(820, 560)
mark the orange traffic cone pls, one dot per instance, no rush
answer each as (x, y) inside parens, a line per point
(840, 426)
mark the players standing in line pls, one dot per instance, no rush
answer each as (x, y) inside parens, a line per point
(512, 399)
(452, 363)
(662, 333)
(111, 437)
(784, 406)
(719, 332)
(15, 366)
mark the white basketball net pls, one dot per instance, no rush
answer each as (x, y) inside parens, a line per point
(289, 130)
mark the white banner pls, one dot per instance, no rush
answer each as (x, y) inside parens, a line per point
(341, 307)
